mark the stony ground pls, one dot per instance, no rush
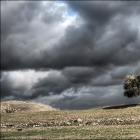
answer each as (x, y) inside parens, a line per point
(123, 120)
(76, 122)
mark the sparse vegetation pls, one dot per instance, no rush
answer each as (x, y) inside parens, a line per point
(20, 106)
(121, 122)
(132, 86)
(77, 132)
(9, 110)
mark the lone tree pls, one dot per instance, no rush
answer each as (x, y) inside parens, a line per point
(132, 86)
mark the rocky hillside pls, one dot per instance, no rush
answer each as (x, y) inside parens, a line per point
(20, 106)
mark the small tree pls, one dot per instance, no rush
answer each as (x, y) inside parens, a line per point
(132, 86)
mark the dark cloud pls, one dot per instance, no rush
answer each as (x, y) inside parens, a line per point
(12, 88)
(95, 52)
(91, 44)
(98, 98)
(54, 83)
(21, 21)
(101, 12)
(8, 88)
(94, 12)
(73, 77)
(82, 74)
(13, 20)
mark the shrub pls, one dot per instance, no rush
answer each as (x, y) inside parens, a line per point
(132, 86)
(10, 110)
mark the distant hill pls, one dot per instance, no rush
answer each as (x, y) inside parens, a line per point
(121, 106)
(20, 106)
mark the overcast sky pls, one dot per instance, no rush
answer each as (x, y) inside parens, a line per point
(70, 55)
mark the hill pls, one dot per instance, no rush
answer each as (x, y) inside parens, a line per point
(20, 106)
(114, 122)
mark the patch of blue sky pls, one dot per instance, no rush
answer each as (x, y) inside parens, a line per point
(70, 12)
(60, 2)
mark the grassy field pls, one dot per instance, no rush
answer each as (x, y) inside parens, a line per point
(95, 123)
(75, 132)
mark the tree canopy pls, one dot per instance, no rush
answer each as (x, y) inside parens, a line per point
(132, 85)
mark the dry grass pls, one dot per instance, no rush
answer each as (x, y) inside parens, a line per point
(20, 106)
(110, 131)
(83, 132)
(55, 116)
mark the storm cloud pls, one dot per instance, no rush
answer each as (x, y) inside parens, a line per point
(93, 48)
